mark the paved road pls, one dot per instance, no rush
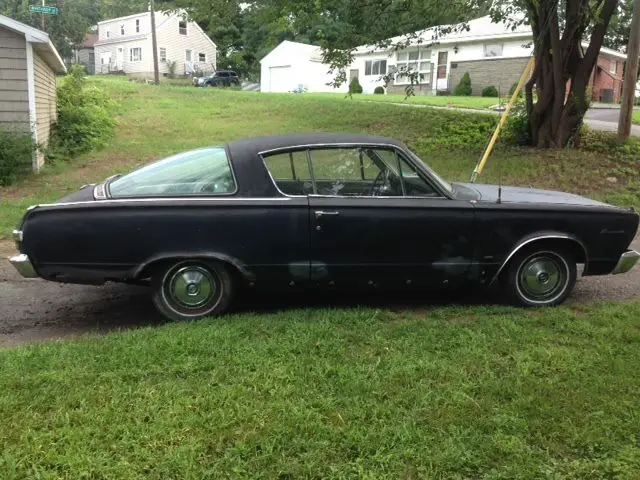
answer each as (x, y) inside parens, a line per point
(35, 310)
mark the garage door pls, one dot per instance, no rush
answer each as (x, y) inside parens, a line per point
(280, 79)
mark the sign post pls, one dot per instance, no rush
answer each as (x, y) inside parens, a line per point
(43, 10)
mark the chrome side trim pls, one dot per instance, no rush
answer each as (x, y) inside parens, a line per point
(626, 262)
(23, 265)
(100, 192)
(551, 236)
(163, 199)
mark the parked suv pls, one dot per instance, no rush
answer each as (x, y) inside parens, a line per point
(221, 78)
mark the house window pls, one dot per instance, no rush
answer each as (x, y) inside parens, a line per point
(135, 54)
(493, 49)
(414, 61)
(121, 29)
(187, 55)
(613, 66)
(182, 27)
(202, 57)
(375, 67)
(138, 26)
(163, 54)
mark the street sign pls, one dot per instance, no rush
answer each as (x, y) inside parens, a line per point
(43, 9)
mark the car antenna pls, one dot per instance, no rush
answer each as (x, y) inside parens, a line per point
(499, 181)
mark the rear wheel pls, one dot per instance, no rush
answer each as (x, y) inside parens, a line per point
(192, 289)
(540, 277)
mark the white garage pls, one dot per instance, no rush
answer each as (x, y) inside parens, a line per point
(291, 66)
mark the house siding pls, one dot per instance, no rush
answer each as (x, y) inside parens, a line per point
(177, 45)
(14, 98)
(45, 93)
(502, 73)
(603, 79)
(143, 67)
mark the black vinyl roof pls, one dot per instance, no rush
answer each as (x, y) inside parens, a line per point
(241, 150)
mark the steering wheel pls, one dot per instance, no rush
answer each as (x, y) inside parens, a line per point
(380, 181)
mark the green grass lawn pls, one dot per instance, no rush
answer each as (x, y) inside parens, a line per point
(451, 393)
(636, 117)
(477, 103)
(155, 122)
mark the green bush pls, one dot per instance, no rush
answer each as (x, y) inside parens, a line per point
(516, 130)
(85, 118)
(513, 89)
(354, 86)
(464, 87)
(16, 155)
(442, 93)
(490, 91)
(378, 91)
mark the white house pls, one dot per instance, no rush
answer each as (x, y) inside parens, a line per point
(293, 65)
(492, 54)
(124, 45)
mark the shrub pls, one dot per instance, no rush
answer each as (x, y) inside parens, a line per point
(442, 93)
(464, 87)
(16, 154)
(378, 91)
(354, 86)
(513, 89)
(171, 66)
(84, 118)
(516, 130)
(490, 91)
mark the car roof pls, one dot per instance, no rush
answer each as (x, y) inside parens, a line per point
(251, 147)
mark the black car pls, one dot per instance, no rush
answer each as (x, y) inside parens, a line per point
(221, 78)
(317, 211)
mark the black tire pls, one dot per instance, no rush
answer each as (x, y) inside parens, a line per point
(540, 277)
(192, 289)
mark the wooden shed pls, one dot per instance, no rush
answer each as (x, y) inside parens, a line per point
(28, 66)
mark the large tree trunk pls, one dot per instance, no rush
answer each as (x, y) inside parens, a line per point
(563, 69)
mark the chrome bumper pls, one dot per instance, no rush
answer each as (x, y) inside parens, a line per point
(627, 260)
(23, 265)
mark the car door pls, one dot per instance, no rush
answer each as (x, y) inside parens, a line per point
(377, 221)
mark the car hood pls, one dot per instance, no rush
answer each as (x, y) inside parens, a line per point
(489, 193)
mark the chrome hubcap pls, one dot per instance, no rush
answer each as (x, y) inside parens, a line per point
(542, 277)
(192, 286)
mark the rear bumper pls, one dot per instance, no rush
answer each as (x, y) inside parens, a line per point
(23, 265)
(627, 260)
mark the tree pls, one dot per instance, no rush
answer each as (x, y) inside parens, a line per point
(619, 29)
(561, 64)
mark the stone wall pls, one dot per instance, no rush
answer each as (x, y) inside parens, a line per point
(499, 72)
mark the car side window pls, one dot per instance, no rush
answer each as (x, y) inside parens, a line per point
(414, 185)
(290, 172)
(200, 172)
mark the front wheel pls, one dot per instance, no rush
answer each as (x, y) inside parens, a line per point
(540, 277)
(192, 289)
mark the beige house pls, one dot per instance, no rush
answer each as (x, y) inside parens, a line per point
(124, 45)
(28, 65)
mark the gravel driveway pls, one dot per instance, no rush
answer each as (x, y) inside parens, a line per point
(35, 310)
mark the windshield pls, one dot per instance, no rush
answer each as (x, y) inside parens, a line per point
(199, 172)
(437, 178)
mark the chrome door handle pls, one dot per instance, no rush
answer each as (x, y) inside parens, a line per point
(321, 213)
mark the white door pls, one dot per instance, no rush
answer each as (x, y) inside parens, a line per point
(280, 79)
(442, 80)
(120, 59)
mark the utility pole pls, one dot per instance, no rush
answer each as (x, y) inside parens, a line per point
(154, 43)
(630, 76)
(42, 18)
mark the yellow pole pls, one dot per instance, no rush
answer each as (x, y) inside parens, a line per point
(526, 74)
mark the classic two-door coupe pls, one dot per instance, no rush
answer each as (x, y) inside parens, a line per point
(322, 210)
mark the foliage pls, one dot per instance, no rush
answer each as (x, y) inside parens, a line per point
(378, 90)
(516, 131)
(171, 66)
(490, 91)
(443, 93)
(464, 86)
(16, 155)
(84, 117)
(354, 86)
(513, 88)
